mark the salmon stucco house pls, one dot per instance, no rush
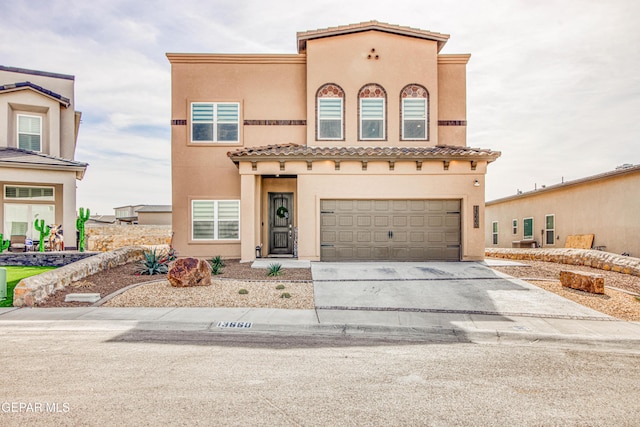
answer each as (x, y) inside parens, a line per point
(38, 171)
(352, 149)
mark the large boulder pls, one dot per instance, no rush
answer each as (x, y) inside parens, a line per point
(187, 272)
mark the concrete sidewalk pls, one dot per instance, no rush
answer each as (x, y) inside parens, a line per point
(451, 302)
(414, 326)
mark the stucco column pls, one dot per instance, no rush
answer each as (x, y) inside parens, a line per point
(248, 217)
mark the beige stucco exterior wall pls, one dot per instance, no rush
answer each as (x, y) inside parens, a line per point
(607, 208)
(59, 122)
(154, 218)
(452, 102)
(377, 182)
(283, 87)
(344, 61)
(64, 183)
(268, 87)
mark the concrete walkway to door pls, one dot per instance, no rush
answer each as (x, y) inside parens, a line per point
(434, 287)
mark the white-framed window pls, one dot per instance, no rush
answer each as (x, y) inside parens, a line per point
(215, 122)
(494, 232)
(19, 219)
(330, 112)
(215, 219)
(550, 229)
(414, 118)
(29, 132)
(21, 192)
(527, 228)
(330, 116)
(514, 226)
(415, 112)
(371, 118)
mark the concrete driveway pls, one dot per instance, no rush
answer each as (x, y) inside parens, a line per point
(435, 287)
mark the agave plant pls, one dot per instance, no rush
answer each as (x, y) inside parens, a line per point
(216, 265)
(275, 270)
(154, 263)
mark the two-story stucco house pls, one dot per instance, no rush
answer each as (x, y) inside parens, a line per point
(352, 149)
(38, 134)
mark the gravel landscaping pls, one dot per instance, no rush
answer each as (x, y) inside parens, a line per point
(614, 302)
(262, 290)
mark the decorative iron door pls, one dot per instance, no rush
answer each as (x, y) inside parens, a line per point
(281, 223)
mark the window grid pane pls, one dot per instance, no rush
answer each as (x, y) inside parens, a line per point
(215, 219)
(29, 133)
(329, 118)
(372, 118)
(215, 122)
(414, 116)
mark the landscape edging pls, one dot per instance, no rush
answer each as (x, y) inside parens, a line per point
(32, 290)
(590, 258)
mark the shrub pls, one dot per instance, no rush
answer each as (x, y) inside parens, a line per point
(217, 260)
(216, 265)
(285, 295)
(154, 263)
(275, 270)
(243, 291)
(280, 287)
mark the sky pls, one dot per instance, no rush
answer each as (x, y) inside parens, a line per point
(554, 85)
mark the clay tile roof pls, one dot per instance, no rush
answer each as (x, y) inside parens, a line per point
(369, 26)
(304, 152)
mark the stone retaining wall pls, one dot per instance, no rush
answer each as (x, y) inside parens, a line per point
(52, 259)
(590, 258)
(34, 289)
(107, 238)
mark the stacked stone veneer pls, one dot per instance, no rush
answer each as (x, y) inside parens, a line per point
(590, 258)
(108, 238)
(53, 259)
(35, 289)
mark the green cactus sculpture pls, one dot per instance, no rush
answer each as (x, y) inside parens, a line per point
(82, 218)
(4, 244)
(44, 232)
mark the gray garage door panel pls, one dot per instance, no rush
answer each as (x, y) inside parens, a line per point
(400, 230)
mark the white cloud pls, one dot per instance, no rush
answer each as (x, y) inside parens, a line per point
(553, 85)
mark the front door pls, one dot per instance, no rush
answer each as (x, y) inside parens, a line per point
(281, 223)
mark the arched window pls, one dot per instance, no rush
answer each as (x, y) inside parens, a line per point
(415, 111)
(330, 112)
(372, 99)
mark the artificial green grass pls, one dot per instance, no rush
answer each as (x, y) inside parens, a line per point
(14, 275)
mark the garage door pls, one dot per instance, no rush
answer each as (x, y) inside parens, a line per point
(395, 230)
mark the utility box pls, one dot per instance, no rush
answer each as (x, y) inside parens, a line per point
(3, 283)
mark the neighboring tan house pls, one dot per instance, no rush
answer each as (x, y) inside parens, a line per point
(144, 214)
(38, 133)
(154, 215)
(352, 149)
(605, 205)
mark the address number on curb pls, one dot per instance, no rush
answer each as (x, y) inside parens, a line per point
(245, 325)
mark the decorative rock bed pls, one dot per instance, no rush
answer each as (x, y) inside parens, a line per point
(35, 289)
(590, 258)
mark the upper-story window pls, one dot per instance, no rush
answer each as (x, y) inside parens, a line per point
(29, 132)
(215, 122)
(372, 99)
(330, 112)
(415, 107)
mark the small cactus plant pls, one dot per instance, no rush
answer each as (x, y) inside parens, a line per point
(82, 218)
(4, 244)
(44, 232)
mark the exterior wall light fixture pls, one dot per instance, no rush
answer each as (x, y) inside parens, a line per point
(476, 183)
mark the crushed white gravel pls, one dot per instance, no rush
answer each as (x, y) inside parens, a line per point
(222, 293)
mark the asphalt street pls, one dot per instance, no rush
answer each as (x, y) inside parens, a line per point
(113, 375)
